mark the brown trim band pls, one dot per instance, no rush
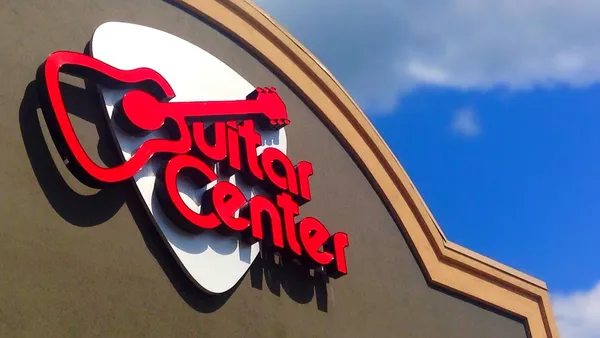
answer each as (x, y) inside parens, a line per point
(446, 264)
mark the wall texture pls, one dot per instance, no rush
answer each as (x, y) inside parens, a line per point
(80, 262)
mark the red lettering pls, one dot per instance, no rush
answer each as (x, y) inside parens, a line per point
(290, 210)
(338, 243)
(228, 199)
(313, 236)
(143, 111)
(260, 207)
(279, 169)
(305, 170)
(171, 200)
(215, 134)
(252, 140)
(233, 149)
(308, 238)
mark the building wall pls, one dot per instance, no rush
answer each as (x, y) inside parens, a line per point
(79, 262)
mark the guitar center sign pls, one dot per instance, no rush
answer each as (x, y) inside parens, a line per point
(205, 148)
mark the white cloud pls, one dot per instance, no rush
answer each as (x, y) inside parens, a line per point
(465, 123)
(381, 49)
(578, 313)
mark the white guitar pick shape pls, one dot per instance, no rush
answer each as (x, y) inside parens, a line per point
(214, 262)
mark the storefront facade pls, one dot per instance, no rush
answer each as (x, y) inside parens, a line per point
(97, 258)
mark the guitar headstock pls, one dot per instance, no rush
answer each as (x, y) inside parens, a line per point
(271, 105)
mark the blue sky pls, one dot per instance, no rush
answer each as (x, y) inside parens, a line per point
(493, 109)
(515, 176)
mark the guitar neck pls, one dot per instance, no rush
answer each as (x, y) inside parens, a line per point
(220, 110)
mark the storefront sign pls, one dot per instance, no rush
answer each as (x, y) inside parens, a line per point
(209, 162)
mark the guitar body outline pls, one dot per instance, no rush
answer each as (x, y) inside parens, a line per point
(143, 109)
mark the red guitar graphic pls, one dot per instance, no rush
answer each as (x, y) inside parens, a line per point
(144, 109)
